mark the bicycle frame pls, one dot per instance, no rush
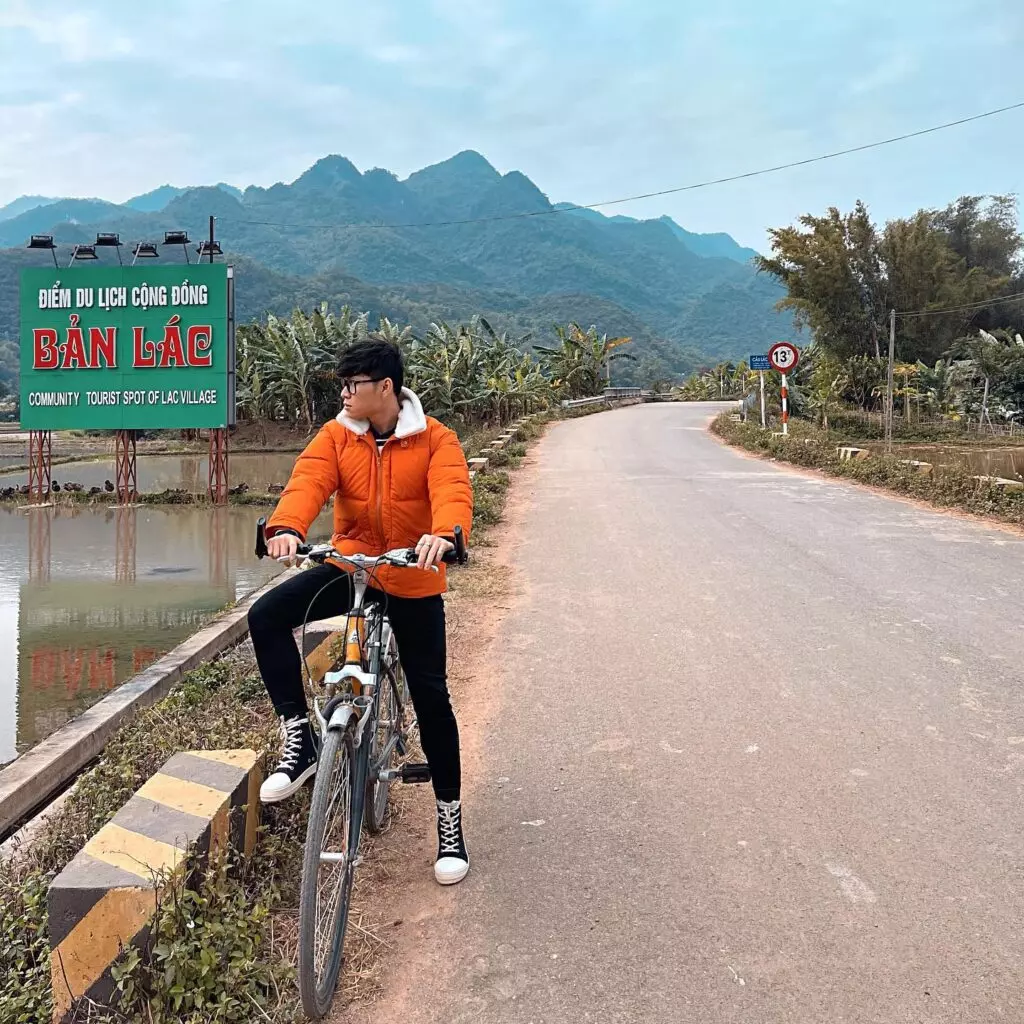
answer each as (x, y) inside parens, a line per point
(360, 670)
(367, 636)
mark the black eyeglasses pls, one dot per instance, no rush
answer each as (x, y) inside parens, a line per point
(351, 385)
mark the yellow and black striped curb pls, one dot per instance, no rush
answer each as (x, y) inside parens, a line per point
(105, 899)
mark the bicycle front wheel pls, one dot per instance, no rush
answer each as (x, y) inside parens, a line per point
(328, 867)
(383, 745)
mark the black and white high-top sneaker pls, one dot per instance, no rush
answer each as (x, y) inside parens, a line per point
(298, 761)
(452, 863)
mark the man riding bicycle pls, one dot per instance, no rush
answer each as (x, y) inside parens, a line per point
(399, 478)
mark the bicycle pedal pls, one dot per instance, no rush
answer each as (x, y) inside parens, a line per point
(415, 773)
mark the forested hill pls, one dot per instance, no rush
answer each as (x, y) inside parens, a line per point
(451, 240)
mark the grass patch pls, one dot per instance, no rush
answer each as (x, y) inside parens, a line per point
(816, 449)
(219, 705)
(492, 483)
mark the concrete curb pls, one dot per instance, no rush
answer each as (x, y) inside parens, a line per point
(999, 482)
(849, 453)
(200, 801)
(51, 764)
(35, 826)
(924, 468)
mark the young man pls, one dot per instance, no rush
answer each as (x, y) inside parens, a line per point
(399, 479)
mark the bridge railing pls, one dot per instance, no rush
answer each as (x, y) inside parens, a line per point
(608, 396)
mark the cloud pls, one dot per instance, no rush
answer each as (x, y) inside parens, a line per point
(889, 72)
(396, 53)
(76, 37)
(593, 99)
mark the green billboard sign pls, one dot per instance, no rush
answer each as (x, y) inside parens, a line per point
(127, 348)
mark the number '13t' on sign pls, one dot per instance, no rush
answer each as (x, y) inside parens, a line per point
(784, 356)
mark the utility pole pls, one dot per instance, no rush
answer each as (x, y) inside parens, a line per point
(211, 237)
(888, 389)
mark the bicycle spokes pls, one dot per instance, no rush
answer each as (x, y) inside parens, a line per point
(335, 861)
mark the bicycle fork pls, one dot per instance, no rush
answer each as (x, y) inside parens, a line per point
(341, 707)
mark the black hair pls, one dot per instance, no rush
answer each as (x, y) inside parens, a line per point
(376, 357)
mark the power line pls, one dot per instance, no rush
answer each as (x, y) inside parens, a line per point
(651, 195)
(966, 307)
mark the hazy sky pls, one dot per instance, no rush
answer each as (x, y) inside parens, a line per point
(593, 99)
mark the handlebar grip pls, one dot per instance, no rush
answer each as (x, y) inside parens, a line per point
(459, 556)
(261, 537)
(261, 540)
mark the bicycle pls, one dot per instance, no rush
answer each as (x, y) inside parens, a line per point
(363, 729)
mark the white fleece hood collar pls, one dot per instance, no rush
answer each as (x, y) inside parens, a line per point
(411, 419)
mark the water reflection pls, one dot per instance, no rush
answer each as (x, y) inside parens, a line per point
(90, 596)
(161, 472)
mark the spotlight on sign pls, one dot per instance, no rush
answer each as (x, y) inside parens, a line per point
(209, 249)
(110, 238)
(44, 242)
(83, 252)
(144, 250)
(178, 238)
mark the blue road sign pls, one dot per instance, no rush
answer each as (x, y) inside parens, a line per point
(759, 363)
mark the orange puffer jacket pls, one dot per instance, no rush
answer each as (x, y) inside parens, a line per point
(419, 483)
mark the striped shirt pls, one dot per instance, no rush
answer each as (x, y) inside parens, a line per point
(382, 439)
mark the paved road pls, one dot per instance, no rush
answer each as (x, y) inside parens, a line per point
(759, 756)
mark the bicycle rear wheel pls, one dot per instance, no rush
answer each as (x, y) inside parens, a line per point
(328, 867)
(391, 707)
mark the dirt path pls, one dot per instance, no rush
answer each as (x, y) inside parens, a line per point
(409, 909)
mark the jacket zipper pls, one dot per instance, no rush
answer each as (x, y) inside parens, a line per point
(380, 490)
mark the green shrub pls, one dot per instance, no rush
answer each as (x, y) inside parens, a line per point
(487, 507)
(234, 713)
(25, 996)
(209, 958)
(493, 483)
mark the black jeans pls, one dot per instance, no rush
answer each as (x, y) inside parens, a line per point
(419, 628)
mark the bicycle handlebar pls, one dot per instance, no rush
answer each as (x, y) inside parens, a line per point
(403, 558)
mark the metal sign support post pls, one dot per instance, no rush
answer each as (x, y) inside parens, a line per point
(217, 484)
(783, 356)
(40, 463)
(764, 423)
(217, 479)
(126, 467)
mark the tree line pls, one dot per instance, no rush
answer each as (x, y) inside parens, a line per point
(952, 275)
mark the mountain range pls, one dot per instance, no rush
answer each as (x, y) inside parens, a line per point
(453, 239)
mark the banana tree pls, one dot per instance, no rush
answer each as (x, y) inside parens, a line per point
(581, 359)
(827, 381)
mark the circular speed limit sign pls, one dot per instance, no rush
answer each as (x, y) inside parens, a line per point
(784, 356)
